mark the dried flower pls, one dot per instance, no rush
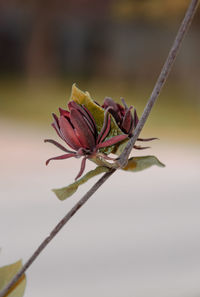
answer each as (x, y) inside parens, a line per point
(77, 128)
(124, 118)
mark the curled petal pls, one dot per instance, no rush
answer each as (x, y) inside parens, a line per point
(88, 120)
(82, 130)
(68, 133)
(86, 114)
(135, 118)
(91, 119)
(106, 126)
(64, 113)
(109, 102)
(58, 145)
(127, 123)
(124, 103)
(114, 108)
(82, 168)
(62, 157)
(130, 133)
(147, 139)
(112, 141)
(73, 104)
(138, 147)
(56, 126)
(55, 120)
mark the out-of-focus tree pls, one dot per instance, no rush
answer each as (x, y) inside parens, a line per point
(107, 38)
(149, 9)
(61, 35)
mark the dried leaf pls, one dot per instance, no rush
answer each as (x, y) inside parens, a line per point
(140, 163)
(68, 191)
(6, 274)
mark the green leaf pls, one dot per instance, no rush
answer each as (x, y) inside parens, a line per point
(68, 191)
(6, 274)
(140, 163)
(97, 111)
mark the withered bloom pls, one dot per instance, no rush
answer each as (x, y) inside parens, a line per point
(126, 121)
(122, 115)
(77, 128)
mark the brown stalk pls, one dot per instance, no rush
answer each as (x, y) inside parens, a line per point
(122, 161)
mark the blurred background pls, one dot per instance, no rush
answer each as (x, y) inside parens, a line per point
(142, 238)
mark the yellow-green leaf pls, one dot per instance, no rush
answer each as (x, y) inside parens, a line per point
(97, 111)
(140, 163)
(7, 273)
(68, 191)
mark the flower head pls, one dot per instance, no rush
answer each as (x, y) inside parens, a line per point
(125, 120)
(122, 115)
(77, 128)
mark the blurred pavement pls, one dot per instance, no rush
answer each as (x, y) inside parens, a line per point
(139, 235)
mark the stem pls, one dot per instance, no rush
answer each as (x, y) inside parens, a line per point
(124, 156)
(123, 159)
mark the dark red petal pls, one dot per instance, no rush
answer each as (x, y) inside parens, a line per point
(64, 112)
(57, 131)
(88, 120)
(109, 102)
(147, 139)
(112, 141)
(127, 121)
(121, 112)
(86, 114)
(105, 132)
(130, 133)
(66, 156)
(82, 168)
(115, 108)
(73, 104)
(55, 119)
(106, 126)
(68, 133)
(124, 103)
(82, 129)
(138, 147)
(135, 118)
(58, 145)
(91, 119)
(55, 125)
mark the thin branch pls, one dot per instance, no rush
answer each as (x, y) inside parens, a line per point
(124, 156)
(123, 159)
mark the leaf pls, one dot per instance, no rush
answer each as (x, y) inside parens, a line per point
(97, 111)
(134, 164)
(6, 274)
(68, 191)
(140, 163)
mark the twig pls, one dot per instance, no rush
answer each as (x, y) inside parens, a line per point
(124, 156)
